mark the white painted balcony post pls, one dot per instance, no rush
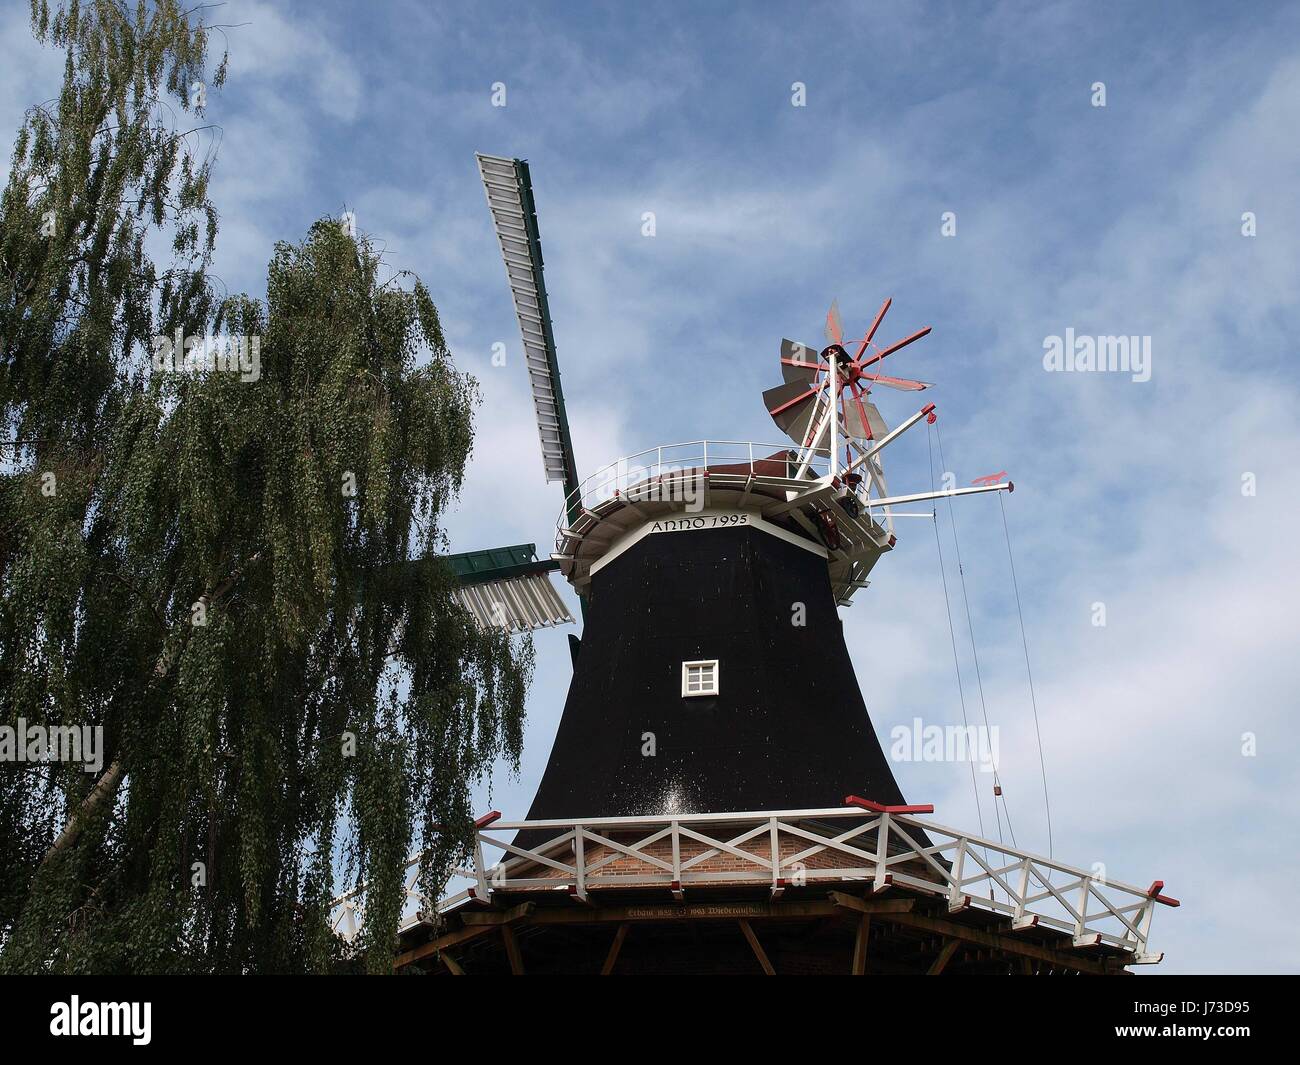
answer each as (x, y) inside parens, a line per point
(1083, 906)
(677, 852)
(881, 881)
(776, 853)
(956, 896)
(478, 866)
(580, 861)
(1022, 892)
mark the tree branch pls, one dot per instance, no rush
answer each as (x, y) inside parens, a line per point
(107, 784)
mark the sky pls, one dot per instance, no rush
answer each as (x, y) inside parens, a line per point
(1168, 213)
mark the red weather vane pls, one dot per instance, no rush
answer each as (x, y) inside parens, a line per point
(992, 478)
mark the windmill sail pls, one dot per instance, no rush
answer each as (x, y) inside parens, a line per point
(510, 198)
(509, 588)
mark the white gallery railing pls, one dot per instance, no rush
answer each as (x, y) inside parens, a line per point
(879, 846)
(624, 473)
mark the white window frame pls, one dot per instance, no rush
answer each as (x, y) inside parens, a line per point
(711, 664)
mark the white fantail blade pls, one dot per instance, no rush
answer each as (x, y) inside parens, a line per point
(877, 424)
(854, 422)
(861, 418)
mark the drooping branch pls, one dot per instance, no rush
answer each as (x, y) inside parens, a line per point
(107, 784)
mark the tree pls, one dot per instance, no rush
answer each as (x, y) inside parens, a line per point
(212, 561)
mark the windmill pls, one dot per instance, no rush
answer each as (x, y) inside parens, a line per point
(716, 798)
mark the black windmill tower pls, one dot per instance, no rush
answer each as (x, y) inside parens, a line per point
(716, 799)
(712, 672)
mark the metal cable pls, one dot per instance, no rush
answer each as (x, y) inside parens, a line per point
(952, 633)
(1033, 699)
(979, 680)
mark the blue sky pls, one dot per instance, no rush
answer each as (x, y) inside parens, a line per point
(1125, 219)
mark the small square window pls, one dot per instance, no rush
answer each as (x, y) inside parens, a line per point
(700, 678)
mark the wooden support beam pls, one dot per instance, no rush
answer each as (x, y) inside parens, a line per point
(900, 911)
(852, 902)
(449, 939)
(453, 966)
(612, 957)
(860, 944)
(757, 948)
(479, 923)
(1009, 944)
(945, 956)
(512, 950)
(496, 917)
(635, 913)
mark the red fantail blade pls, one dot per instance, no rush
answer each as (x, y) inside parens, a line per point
(895, 347)
(875, 324)
(880, 315)
(834, 326)
(903, 384)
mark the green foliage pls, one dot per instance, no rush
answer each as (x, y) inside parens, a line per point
(203, 495)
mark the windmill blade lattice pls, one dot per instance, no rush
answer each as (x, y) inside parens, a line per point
(802, 406)
(806, 372)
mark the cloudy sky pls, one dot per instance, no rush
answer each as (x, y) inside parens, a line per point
(1123, 219)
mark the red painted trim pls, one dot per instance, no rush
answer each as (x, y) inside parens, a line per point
(1153, 892)
(927, 408)
(487, 819)
(867, 804)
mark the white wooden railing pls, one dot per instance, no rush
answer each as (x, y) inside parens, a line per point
(879, 846)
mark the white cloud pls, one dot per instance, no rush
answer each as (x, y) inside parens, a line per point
(293, 54)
